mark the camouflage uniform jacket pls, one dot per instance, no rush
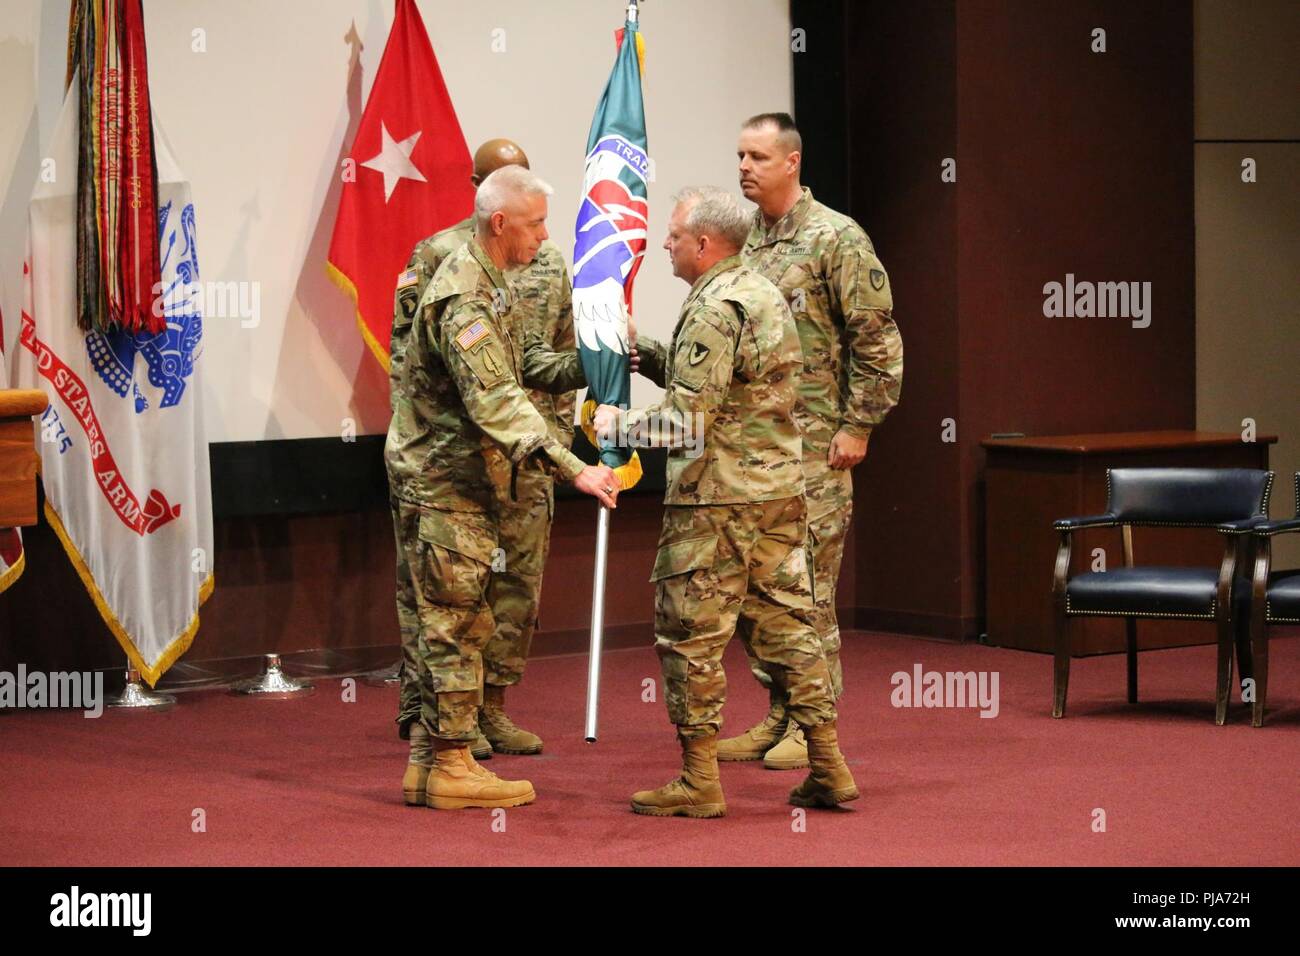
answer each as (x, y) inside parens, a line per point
(732, 367)
(460, 392)
(827, 269)
(543, 310)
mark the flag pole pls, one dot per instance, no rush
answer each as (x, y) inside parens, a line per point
(597, 625)
(598, 580)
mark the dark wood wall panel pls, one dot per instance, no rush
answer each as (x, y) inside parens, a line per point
(902, 123)
(1068, 161)
(1071, 162)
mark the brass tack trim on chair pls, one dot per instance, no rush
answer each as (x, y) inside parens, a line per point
(1171, 614)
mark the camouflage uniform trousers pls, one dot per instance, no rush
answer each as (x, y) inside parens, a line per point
(830, 507)
(524, 528)
(447, 566)
(720, 565)
(514, 590)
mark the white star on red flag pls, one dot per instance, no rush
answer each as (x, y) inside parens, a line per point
(394, 160)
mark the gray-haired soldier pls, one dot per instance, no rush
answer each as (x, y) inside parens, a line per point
(461, 390)
(543, 311)
(732, 549)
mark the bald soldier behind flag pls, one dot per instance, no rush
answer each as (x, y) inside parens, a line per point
(524, 510)
(827, 269)
(460, 392)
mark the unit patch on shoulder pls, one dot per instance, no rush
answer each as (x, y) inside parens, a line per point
(408, 278)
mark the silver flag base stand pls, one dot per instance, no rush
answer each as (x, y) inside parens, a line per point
(274, 684)
(387, 677)
(136, 696)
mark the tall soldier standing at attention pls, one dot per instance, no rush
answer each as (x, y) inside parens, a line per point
(460, 392)
(735, 519)
(838, 290)
(543, 310)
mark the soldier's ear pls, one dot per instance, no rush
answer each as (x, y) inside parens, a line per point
(794, 160)
(498, 222)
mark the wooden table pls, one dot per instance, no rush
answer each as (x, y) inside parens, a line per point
(1030, 482)
(18, 458)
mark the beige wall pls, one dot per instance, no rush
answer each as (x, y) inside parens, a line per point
(260, 121)
(1248, 234)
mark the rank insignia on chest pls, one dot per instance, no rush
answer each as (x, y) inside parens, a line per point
(408, 278)
(471, 335)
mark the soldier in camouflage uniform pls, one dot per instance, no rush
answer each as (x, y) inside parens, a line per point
(735, 522)
(460, 392)
(543, 309)
(828, 271)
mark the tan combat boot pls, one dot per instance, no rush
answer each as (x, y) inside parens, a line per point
(830, 782)
(457, 781)
(413, 782)
(791, 753)
(696, 793)
(417, 765)
(500, 730)
(762, 737)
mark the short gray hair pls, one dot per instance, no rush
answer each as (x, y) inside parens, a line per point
(715, 212)
(496, 191)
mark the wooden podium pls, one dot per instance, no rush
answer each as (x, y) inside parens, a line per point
(1030, 482)
(18, 458)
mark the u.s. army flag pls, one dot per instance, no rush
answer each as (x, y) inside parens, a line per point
(124, 461)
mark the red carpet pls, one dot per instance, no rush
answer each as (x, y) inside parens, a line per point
(316, 781)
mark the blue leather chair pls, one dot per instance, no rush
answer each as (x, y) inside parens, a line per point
(1274, 599)
(1231, 500)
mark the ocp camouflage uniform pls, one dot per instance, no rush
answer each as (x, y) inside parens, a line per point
(542, 310)
(459, 394)
(735, 523)
(838, 291)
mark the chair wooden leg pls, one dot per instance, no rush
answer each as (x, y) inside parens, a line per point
(1224, 685)
(1259, 648)
(1061, 668)
(1245, 663)
(1131, 643)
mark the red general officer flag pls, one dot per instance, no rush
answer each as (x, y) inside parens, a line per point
(407, 179)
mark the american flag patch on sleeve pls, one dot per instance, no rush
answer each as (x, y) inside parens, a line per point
(472, 334)
(407, 278)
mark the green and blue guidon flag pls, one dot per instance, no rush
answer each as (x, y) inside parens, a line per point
(610, 241)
